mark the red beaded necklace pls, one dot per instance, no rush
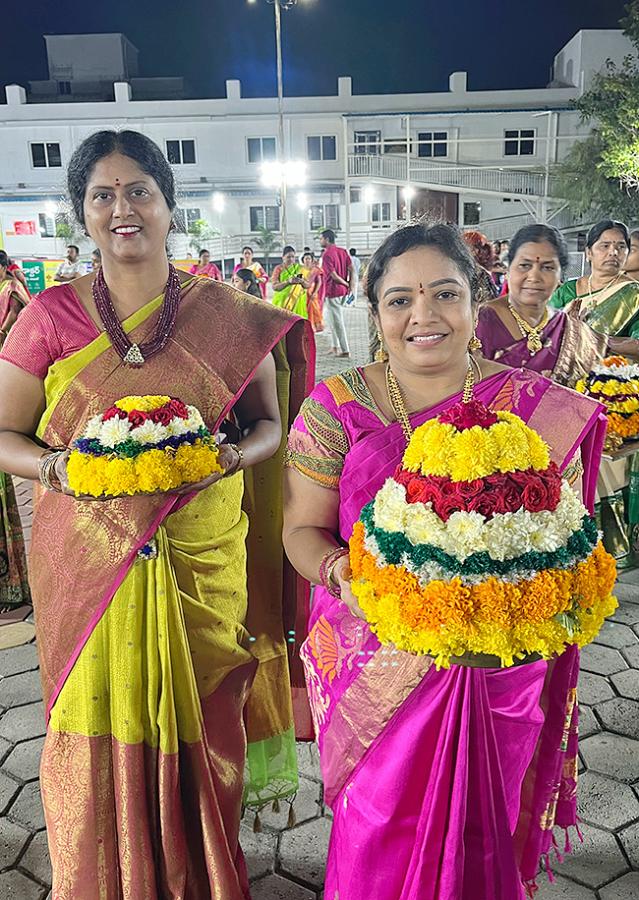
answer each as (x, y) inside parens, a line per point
(136, 354)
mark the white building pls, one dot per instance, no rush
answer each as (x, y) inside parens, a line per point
(479, 158)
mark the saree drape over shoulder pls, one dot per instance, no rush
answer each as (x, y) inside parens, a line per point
(149, 665)
(444, 785)
(570, 347)
(613, 310)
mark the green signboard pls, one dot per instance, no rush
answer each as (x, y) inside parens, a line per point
(34, 274)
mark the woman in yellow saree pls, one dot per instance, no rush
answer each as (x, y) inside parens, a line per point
(160, 617)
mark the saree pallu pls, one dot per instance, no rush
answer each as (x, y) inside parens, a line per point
(148, 665)
(11, 287)
(570, 347)
(615, 311)
(444, 785)
(293, 297)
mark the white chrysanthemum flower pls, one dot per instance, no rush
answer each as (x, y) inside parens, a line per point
(195, 420)
(423, 526)
(114, 431)
(149, 433)
(92, 428)
(465, 532)
(390, 507)
(177, 427)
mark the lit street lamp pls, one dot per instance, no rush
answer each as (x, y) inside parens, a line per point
(408, 193)
(278, 6)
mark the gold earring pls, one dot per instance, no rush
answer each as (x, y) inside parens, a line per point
(381, 355)
(474, 343)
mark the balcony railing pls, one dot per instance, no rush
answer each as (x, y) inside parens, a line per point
(486, 179)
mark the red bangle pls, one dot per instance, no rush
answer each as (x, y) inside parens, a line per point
(326, 568)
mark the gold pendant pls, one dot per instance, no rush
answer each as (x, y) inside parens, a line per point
(534, 343)
(134, 356)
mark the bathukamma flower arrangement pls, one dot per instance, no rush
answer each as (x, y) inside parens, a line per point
(141, 445)
(477, 545)
(615, 383)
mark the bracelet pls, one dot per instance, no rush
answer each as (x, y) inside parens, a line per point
(240, 458)
(326, 570)
(46, 470)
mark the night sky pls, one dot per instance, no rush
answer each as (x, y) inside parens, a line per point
(387, 46)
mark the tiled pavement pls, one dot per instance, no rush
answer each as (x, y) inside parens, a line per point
(288, 864)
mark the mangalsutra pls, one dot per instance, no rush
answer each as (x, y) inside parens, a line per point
(396, 398)
(136, 354)
(532, 333)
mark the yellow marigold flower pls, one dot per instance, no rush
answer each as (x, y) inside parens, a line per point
(144, 404)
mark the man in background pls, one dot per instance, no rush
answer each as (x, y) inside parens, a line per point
(337, 269)
(71, 268)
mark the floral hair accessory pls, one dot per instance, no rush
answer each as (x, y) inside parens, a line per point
(142, 445)
(478, 546)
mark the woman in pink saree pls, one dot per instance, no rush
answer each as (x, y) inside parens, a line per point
(444, 785)
(521, 329)
(160, 617)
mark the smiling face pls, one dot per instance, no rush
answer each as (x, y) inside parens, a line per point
(608, 255)
(534, 274)
(425, 312)
(125, 211)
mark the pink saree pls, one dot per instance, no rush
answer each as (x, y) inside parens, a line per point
(444, 785)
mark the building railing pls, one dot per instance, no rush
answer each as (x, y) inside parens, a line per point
(451, 175)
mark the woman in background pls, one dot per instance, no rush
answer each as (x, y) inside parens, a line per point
(483, 254)
(245, 280)
(206, 267)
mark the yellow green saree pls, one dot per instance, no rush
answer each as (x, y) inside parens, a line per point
(151, 665)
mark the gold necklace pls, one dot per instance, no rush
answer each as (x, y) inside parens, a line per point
(592, 302)
(396, 398)
(532, 332)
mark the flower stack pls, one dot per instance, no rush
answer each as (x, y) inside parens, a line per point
(478, 546)
(615, 383)
(142, 445)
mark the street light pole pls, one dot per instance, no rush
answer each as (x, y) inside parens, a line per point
(280, 107)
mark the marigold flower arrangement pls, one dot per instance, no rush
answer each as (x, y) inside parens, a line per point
(141, 445)
(615, 383)
(477, 545)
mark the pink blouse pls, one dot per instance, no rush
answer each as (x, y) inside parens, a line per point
(54, 325)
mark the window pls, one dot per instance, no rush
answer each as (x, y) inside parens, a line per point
(356, 195)
(471, 213)
(261, 149)
(265, 217)
(320, 147)
(46, 156)
(432, 143)
(368, 141)
(184, 218)
(324, 216)
(46, 225)
(180, 153)
(64, 87)
(395, 145)
(380, 213)
(519, 142)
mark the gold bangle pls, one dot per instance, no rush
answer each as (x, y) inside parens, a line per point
(240, 458)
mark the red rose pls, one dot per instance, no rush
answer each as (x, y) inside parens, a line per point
(112, 413)
(510, 497)
(535, 495)
(162, 416)
(522, 478)
(178, 408)
(484, 504)
(137, 418)
(469, 489)
(467, 415)
(449, 501)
